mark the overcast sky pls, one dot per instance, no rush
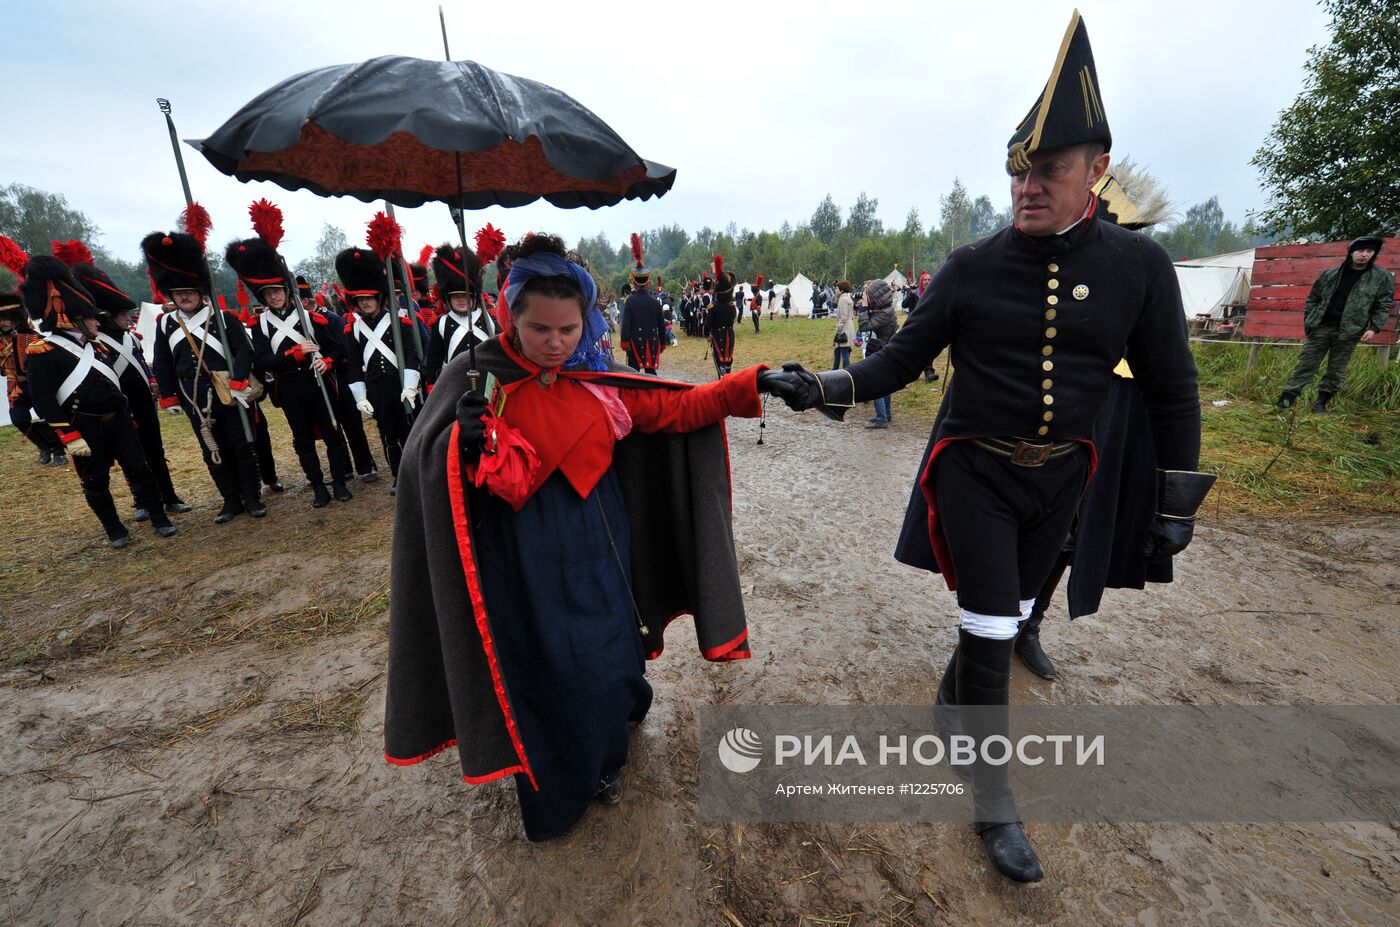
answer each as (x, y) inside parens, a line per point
(763, 108)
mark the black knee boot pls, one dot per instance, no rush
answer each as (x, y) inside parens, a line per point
(1028, 645)
(249, 484)
(1320, 405)
(984, 679)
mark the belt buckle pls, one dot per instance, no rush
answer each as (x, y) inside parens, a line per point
(1031, 455)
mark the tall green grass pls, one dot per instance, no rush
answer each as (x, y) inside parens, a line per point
(1370, 386)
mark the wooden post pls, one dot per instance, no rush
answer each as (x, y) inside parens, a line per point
(1253, 356)
(1384, 352)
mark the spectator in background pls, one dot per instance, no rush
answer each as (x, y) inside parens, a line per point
(845, 327)
(1347, 303)
(877, 317)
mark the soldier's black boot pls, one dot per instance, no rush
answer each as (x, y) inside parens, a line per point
(984, 679)
(323, 496)
(341, 492)
(117, 535)
(1320, 405)
(1285, 400)
(1028, 646)
(45, 457)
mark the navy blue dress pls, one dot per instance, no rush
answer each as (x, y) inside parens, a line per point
(566, 634)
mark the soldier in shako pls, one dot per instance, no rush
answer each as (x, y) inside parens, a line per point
(114, 309)
(189, 355)
(78, 392)
(643, 327)
(289, 357)
(380, 391)
(16, 336)
(457, 273)
(720, 317)
(1036, 317)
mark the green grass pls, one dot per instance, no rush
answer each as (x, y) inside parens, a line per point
(1268, 462)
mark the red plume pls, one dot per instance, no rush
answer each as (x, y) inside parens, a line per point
(658, 281)
(321, 300)
(71, 252)
(240, 294)
(385, 236)
(195, 221)
(267, 222)
(759, 282)
(12, 256)
(637, 248)
(490, 242)
(719, 265)
(425, 255)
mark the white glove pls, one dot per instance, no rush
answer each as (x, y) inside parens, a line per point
(409, 394)
(242, 396)
(78, 448)
(410, 385)
(357, 390)
(365, 407)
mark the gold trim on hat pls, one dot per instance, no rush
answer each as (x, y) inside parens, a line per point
(1033, 143)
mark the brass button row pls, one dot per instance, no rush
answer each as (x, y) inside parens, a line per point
(1051, 301)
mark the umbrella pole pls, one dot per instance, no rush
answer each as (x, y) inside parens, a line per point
(408, 291)
(220, 330)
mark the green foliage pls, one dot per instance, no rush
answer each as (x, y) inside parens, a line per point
(1332, 161)
(320, 267)
(1225, 373)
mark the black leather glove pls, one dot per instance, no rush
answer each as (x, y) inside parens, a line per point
(793, 384)
(1179, 494)
(470, 409)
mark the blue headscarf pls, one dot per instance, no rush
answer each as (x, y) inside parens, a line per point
(588, 355)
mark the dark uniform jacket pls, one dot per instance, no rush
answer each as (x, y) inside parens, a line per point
(446, 342)
(51, 364)
(641, 319)
(177, 369)
(277, 355)
(367, 363)
(1037, 327)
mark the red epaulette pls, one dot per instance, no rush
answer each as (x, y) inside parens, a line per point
(39, 347)
(319, 319)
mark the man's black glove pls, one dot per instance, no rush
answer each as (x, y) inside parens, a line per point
(472, 428)
(1179, 494)
(791, 386)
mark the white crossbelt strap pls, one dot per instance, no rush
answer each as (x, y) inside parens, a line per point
(198, 324)
(463, 328)
(374, 337)
(126, 351)
(87, 363)
(286, 329)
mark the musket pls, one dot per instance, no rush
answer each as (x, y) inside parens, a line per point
(220, 331)
(393, 311)
(305, 317)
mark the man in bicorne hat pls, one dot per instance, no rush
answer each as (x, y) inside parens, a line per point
(1036, 317)
(643, 326)
(189, 355)
(78, 392)
(462, 322)
(288, 357)
(375, 382)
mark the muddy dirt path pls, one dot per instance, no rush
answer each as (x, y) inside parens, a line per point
(239, 781)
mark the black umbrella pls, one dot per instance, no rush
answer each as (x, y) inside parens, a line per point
(411, 131)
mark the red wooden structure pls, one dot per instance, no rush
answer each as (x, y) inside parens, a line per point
(1283, 276)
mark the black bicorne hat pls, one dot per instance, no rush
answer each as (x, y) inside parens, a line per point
(456, 270)
(258, 265)
(361, 272)
(52, 295)
(1070, 108)
(175, 261)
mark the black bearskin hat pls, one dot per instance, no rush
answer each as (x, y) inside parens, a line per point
(106, 295)
(258, 265)
(52, 296)
(361, 272)
(175, 261)
(456, 270)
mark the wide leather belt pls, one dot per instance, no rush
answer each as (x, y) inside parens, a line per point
(1026, 453)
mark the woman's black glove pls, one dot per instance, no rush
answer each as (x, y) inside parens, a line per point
(471, 407)
(1179, 494)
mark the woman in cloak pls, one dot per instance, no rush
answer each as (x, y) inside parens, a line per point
(539, 522)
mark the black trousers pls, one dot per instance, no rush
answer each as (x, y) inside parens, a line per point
(306, 412)
(1005, 524)
(390, 416)
(236, 473)
(262, 444)
(114, 440)
(349, 416)
(146, 417)
(40, 434)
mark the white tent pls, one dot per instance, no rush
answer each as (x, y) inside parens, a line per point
(896, 279)
(1210, 284)
(801, 289)
(5, 406)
